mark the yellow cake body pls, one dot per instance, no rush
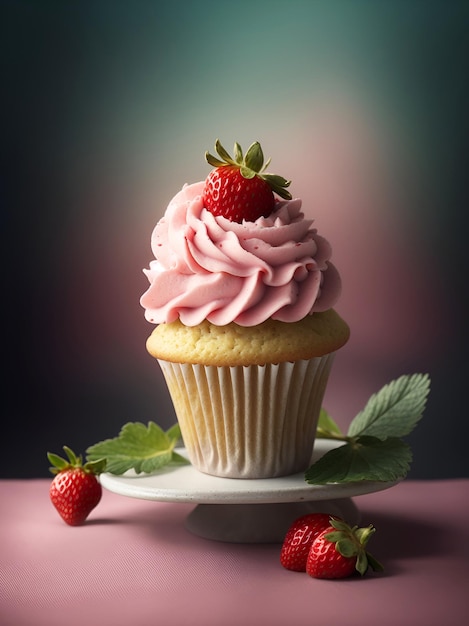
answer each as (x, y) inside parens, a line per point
(230, 345)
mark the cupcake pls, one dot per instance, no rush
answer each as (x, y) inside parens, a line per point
(242, 292)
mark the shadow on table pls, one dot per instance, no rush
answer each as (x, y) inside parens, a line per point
(399, 537)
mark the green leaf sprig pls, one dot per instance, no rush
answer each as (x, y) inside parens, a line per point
(373, 448)
(138, 447)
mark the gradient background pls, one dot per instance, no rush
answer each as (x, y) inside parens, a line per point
(108, 109)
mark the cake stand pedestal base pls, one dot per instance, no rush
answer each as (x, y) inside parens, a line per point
(261, 523)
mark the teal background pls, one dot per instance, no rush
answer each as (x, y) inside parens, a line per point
(108, 108)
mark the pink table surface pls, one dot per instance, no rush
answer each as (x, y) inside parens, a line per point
(134, 563)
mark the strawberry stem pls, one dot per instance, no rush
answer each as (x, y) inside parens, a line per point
(250, 165)
(60, 464)
(352, 541)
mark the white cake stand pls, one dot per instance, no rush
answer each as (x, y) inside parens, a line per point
(244, 510)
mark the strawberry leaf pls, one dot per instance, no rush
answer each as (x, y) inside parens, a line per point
(394, 410)
(254, 158)
(362, 562)
(174, 433)
(212, 160)
(366, 458)
(72, 457)
(95, 467)
(138, 447)
(346, 547)
(57, 462)
(178, 459)
(327, 427)
(246, 172)
(375, 565)
(223, 153)
(238, 153)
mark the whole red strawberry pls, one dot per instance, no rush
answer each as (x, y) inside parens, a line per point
(239, 188)
(340, 551)
(75, 490)
(299, 538)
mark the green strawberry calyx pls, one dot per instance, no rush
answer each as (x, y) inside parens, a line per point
(250, 164)
(351, 542)
(59, 464)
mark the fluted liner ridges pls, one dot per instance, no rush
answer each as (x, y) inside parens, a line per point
(249, 422)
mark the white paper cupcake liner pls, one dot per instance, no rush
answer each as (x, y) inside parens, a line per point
(249, 422)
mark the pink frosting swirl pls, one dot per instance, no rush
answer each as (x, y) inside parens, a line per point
(207, 267)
